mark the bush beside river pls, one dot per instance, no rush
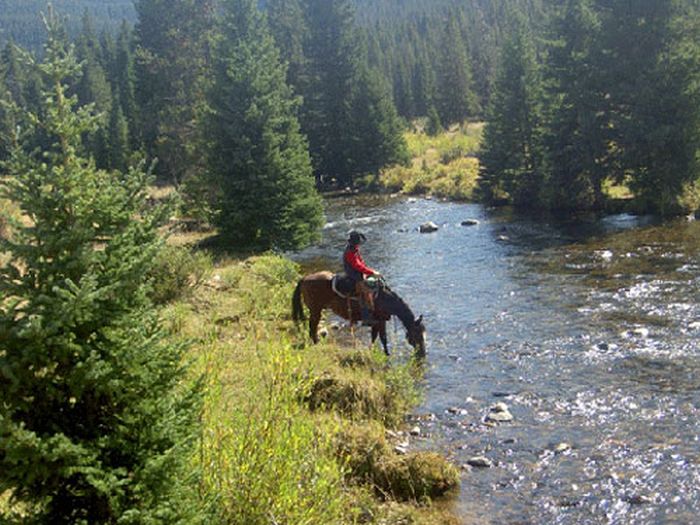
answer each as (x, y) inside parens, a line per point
(444, 165)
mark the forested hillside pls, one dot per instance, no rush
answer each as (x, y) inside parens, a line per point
(20, 20)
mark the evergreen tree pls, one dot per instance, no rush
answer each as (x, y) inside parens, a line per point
(124, 78)
(512, 151)
(95, 418)
(456, 99)
(434, 126)
(92, 86)
(652, 111)
(289, 28)
(334, 55)
(378, 134)
(118, 142)
(172, 58)
(578, 132)
(257, 155)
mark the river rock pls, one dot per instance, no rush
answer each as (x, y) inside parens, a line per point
(641, 332)
(415, 431)
(401, 448)
(470, 222)
(503, 238)
(695, 325)
(562, 447)
(428, 227)
(499, 413)
(638, 499)
(480, 462)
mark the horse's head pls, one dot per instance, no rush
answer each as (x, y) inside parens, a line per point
(416, 336)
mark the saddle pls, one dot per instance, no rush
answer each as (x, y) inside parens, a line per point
(344, 286)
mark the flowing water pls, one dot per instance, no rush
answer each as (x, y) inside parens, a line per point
(587, 330)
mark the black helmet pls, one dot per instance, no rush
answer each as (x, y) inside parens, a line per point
(355, 238)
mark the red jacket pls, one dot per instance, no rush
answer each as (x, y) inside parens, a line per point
(353, 261)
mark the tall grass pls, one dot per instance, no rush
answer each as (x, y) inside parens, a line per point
(263, 459)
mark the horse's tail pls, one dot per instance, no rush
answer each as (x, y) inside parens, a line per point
(297, 308)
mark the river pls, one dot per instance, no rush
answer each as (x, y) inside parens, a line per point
(586, 330)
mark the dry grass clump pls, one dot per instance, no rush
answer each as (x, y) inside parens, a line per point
(370, 458)
(354, 397)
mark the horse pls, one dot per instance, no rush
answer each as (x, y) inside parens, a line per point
(317, 292)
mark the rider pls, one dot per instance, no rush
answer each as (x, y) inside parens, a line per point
(357, 270)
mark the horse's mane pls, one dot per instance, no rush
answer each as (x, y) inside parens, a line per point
(394, 305)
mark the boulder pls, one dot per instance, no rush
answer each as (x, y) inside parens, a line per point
(428, 227)
(480, 462)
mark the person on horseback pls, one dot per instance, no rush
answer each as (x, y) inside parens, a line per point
(357, 270)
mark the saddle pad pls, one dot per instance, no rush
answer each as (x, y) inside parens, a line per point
(343, 285)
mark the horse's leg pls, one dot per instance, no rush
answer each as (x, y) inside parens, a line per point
(314, 319)
(375, 333)
(382, 336)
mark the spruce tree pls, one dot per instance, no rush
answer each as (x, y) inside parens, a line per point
(456, 99)
(257, 155)
(95, 418)
(512, 152)
(578, 134)
(377, 132)
(171, 65)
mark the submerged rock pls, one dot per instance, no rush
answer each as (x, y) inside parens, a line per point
(470, 222)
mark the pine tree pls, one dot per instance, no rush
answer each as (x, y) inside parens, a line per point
(512, 152)
(651, 107)
(378, 134)
(456, 99)
(257, 155)
(578, 134)
(125, 81)
(118, 143)
(171, 37)
(95, 417)
(333, 52)
(289, 29)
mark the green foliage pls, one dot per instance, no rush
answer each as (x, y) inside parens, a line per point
(257, 155)
(444, 165)
(176, 272)
(434, 126)
(95, 420)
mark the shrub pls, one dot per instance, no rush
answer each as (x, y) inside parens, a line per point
(176, 272)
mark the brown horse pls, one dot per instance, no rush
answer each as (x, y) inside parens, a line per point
(318, 294)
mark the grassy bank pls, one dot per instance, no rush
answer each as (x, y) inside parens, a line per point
(444, 166)
(294, 433)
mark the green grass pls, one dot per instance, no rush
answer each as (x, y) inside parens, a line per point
(443, 166)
